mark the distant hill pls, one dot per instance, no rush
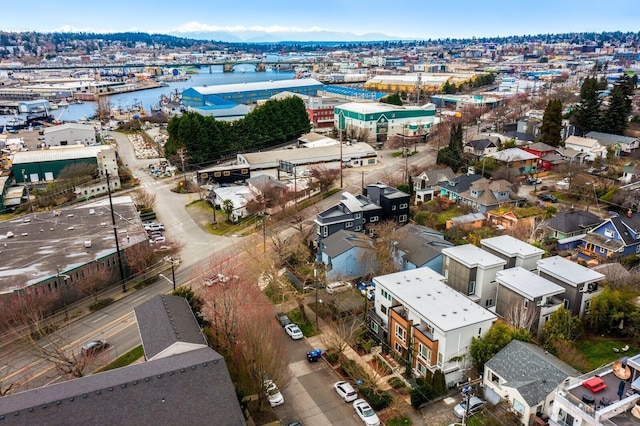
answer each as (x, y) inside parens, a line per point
(276, 37)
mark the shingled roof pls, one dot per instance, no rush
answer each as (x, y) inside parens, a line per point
(530, 369)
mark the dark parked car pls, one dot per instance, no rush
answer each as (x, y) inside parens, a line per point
(548, 197)
(94, 347)
(283, 319)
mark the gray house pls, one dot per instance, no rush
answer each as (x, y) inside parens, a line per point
(514, 251)
(419, 247)
(525, 294)
(580, 283)
(427, 184)
(526, 376)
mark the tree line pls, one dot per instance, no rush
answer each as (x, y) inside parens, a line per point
(206, 139)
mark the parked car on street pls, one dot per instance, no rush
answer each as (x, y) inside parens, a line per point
(283, 319)
(548, 197)
(94, 347)
(366, 413)
(293, 331)
(274, 396)
(346, 391)
(475, 404)
(154, 226)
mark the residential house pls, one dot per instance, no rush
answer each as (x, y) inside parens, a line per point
(394, 203)
(481, 147)
(622, 145)
(184, 382)
(612, 403)
(472, 271)
(379, 202)
(238, 195)
(514, 251)
(629, 173)
(419, 247)
(522, 294)
(570, 227)
(347, 255)
(525, 376)
(548, 158)
(165, 325)
(486, 194)
(427, 184)
(457, 185)
(520, 219)
(581, 284)
(267, 188)
(427, 322)
(571, 155)
(616, 236)
(517, 160)
(590, 147)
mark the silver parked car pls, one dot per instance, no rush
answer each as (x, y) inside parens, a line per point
(475, 404)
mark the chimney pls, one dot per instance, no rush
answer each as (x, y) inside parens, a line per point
(629, 213)
(572, 209)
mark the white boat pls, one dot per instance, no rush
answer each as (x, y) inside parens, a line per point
(63, 103)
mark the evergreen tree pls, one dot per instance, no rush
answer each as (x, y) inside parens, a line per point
(451, 155)
(614, 119)
(587, 114)
(551, 129)
(394, 99)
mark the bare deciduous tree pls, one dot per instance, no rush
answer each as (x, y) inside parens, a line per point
(144, 199)
(325, 176)
(518, 316)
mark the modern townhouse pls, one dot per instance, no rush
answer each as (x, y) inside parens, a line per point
(580, 284)
(472, 271)
(513, 251)
(526, 297)
(427, 323)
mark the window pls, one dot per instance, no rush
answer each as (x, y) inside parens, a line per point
(440, 357)
(564, 418)
(403, 218)
(349, 224)
(358, 215)
(404, 206)
(374, 219)
(526, 303)
(608, 233)
(358, 228)
(488, 303)
(421, 369)
(472, 287)
(383, 309)
(566, 303)
(401, 333)
(424, 353)
(374, 327)
(385, 294)
(393, 207)
(325, 231)
(398, 347)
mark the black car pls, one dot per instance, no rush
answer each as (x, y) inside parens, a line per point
(548, 197)
(283, 319)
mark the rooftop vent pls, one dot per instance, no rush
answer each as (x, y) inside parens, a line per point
(87, 244)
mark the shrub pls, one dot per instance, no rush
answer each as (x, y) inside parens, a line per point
(331, 356)
(377, 399)
(396, 382)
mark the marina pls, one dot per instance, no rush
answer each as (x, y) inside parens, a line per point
(149, 99)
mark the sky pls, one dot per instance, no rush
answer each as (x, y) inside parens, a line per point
(408, 19)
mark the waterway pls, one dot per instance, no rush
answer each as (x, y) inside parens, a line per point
(207, 76)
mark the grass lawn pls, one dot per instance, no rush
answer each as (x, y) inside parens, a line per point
(599, 350)
(124, 360)
(448, 214)
(307, 327)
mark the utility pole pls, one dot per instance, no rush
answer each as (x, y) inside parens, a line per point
(340, 158)
(115, 234)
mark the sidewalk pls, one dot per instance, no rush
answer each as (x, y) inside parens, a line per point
(405, 408)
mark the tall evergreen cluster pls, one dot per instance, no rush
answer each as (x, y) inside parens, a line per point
(207, 139)
(451, 155)
(551, 129)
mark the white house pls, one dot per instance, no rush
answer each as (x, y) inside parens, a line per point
(590, 147)
(427, 322)
(525, 376)
(514, 251)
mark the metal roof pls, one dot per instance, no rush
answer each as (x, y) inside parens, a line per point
(219, 89)
(70, 152)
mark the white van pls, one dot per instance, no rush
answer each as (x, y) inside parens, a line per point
(337, 287)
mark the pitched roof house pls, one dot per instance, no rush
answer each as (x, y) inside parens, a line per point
(427, 184)
(618, 235)
(174, 386)
(526, 376)
(570, 226)
(590, 147)
(485, 194)
(626, 144)
(481, 147)
(347, 255)
(419, 247)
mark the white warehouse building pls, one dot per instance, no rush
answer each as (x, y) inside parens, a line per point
(70, 134)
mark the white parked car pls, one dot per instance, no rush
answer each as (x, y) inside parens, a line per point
(346, 391)
(366, 413)
(153, 227)
(293, 331)
(475, 404)
(274, 396)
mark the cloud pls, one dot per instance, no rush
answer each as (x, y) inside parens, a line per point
(198, 27)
